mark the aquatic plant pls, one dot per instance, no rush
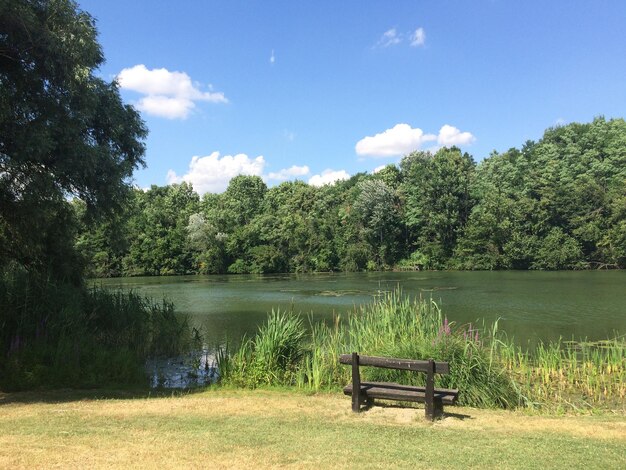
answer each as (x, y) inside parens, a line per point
(59, 334)
(488, 368)
(272, 356)
(394, 325)
(567, 375)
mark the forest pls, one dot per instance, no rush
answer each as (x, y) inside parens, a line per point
(558, 203)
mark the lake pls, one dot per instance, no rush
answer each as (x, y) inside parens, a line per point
(531, 305)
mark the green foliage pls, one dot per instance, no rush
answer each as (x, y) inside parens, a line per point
(159, 231)
(572, 375)
(415, 262)
(59, 335)
(393, 326)
(551, 205)
(489, 370)
(438, 200)
(559, 203)
(63, 132)
(377, 211)
(271, 357)
(557, 251)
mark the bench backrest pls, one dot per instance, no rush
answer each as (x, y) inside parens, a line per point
(392, 363)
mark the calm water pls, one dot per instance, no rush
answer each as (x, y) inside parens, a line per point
(530, 305)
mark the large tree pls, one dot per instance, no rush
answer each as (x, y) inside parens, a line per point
(64, 132)
(438, 200)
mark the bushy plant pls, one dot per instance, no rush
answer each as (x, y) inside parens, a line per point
(489, 370)
(58, 334)
(271, 357)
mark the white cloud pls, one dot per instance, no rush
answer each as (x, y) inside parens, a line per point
(212, 173)
(163, 106)
(392, 37)
(450, 135)
(171, 95)
(402, 139)
(378, 168)
(328, 177)
(288, 173)
(272, 57)
(389, 38)
(418, 38)
(398, 140)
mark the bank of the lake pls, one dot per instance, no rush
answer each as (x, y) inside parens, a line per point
(398, 315)
(222, 428)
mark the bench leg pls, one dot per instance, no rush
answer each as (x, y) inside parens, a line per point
(356, 384)
(435, 410)
(429, 399)
(356, 402)
(438, 408)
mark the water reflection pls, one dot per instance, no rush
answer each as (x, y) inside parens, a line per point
(196, 369)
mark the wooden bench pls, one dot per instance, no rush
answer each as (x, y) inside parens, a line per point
(365, 392)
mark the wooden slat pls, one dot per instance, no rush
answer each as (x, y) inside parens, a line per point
(444, 391)
(391, 391)
(393, 363)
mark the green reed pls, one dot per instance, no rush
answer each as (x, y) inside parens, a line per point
(571, 375)
(272, 356)
(59, 334)
(393, 325)
(489, 369)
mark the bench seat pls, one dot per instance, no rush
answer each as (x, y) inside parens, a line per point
(393, 391)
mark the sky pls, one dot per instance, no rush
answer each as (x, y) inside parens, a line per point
(321, 90)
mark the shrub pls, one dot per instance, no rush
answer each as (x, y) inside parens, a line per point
(58, 334)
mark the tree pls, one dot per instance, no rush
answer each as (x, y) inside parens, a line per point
(438, 200)
(208, 245)
(377, 209)
(159, 231)
(64, 132)
(501, 230)
(581, 176)
(102, 245)
(244, 198)
(289, 226)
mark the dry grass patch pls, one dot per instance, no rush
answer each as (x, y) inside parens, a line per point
(266, 428)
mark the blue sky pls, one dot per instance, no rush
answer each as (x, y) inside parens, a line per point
(318, 90)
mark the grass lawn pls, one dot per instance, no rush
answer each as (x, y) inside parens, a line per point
(275, 428)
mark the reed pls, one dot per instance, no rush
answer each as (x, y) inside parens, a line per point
(272, 356)
(55, 334)
(489, 369)
(572, 375)
(394, 325)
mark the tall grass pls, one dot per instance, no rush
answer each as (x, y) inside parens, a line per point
(394, 325)
(272, 356)
(489, 370)
(57, 334)
(571, 375)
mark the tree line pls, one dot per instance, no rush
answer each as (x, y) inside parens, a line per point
(559, 203)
